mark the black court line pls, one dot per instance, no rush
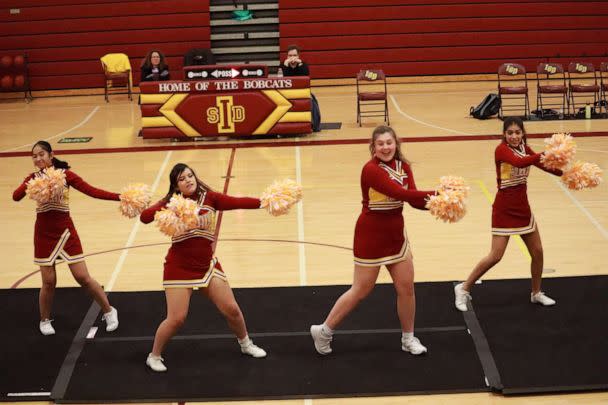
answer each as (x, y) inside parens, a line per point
(67, 368)
(482, 347)
(277, 334)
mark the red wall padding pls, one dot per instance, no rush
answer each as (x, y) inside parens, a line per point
(64, 39)
(434, 37)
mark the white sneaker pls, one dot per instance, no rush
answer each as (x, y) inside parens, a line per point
(322, 341)
(46, 328)
(461, 297)
(413, 346)
(156, 363)
(252, 350)
(111, 319)
(542, 299)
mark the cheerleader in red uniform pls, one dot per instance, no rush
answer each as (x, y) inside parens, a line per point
(190, 264)
(380, 239)
(55, 237)
(511, 214)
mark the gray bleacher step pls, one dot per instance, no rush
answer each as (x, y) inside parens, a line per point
(214, 9)
(241, 35)
(253, 21)
(248, 49)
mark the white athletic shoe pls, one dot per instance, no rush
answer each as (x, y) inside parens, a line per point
(461, 297)
(111, 319)
(156, 363)
(322, 341)
(46, 328)
(412, 346)
(252, 350)
(542, 299)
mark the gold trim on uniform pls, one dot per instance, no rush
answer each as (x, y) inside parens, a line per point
(531, 227)
(59, 252)
(208, 233)
(380, 202)
(512, 176)
(200, 282)
(399, 257)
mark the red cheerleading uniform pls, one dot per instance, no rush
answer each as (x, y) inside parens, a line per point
(54, 232)
(511, 214)
(190, 262)
(380, 237)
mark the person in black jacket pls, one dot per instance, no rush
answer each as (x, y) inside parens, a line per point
(293, 65)
(154, 67)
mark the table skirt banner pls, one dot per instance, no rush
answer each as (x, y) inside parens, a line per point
(190, 109)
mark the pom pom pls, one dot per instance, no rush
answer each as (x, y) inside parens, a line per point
(134, 198)
(47, 185)
(559, 151)
(582, 175)
(449, 203)
(180, 216)
(280, 196)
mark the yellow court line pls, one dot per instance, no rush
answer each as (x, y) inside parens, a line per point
(518, 239)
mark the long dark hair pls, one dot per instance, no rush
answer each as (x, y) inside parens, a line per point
(147, 62)
(58, 164)
(382, 129)
(513, 121)
(177, 170)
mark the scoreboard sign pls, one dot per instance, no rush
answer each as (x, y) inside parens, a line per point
(187, 109)
(218, 72)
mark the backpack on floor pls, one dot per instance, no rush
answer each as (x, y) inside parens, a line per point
(487, 108)
(316, 114)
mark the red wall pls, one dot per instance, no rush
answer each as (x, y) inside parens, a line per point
(64, 39)
(434, 37)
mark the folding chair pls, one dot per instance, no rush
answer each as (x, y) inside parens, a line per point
(372, 78)
(604, 86)
(117, 72)
(582, 83)
(551, 86)
(513, 85)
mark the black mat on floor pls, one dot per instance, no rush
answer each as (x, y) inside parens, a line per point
(30, 361)
(547, 349)
(284, 309)
(331, 125)
(205, 363)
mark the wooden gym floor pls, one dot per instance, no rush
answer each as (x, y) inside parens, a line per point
(311, 245)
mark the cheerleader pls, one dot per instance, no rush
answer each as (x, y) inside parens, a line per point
(511, 214)
(380, 239)
(55, 237)
(190, 264)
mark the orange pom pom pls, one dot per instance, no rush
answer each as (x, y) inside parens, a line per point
(280, 196)
(47, 185)
(134, 198)
(559, 151)
(449, 203)
(582, 175)
(180, 216)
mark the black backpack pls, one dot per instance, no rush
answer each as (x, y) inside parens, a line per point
(316, 114)
(487, 108)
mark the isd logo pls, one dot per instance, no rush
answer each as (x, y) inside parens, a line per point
(369, 75)
(225, 114)
(550, 69)
(512, 69)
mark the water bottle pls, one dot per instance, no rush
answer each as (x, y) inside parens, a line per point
(588, 111)
(280, 72)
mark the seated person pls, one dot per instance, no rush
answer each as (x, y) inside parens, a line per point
(154, 67)
(293, 65)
